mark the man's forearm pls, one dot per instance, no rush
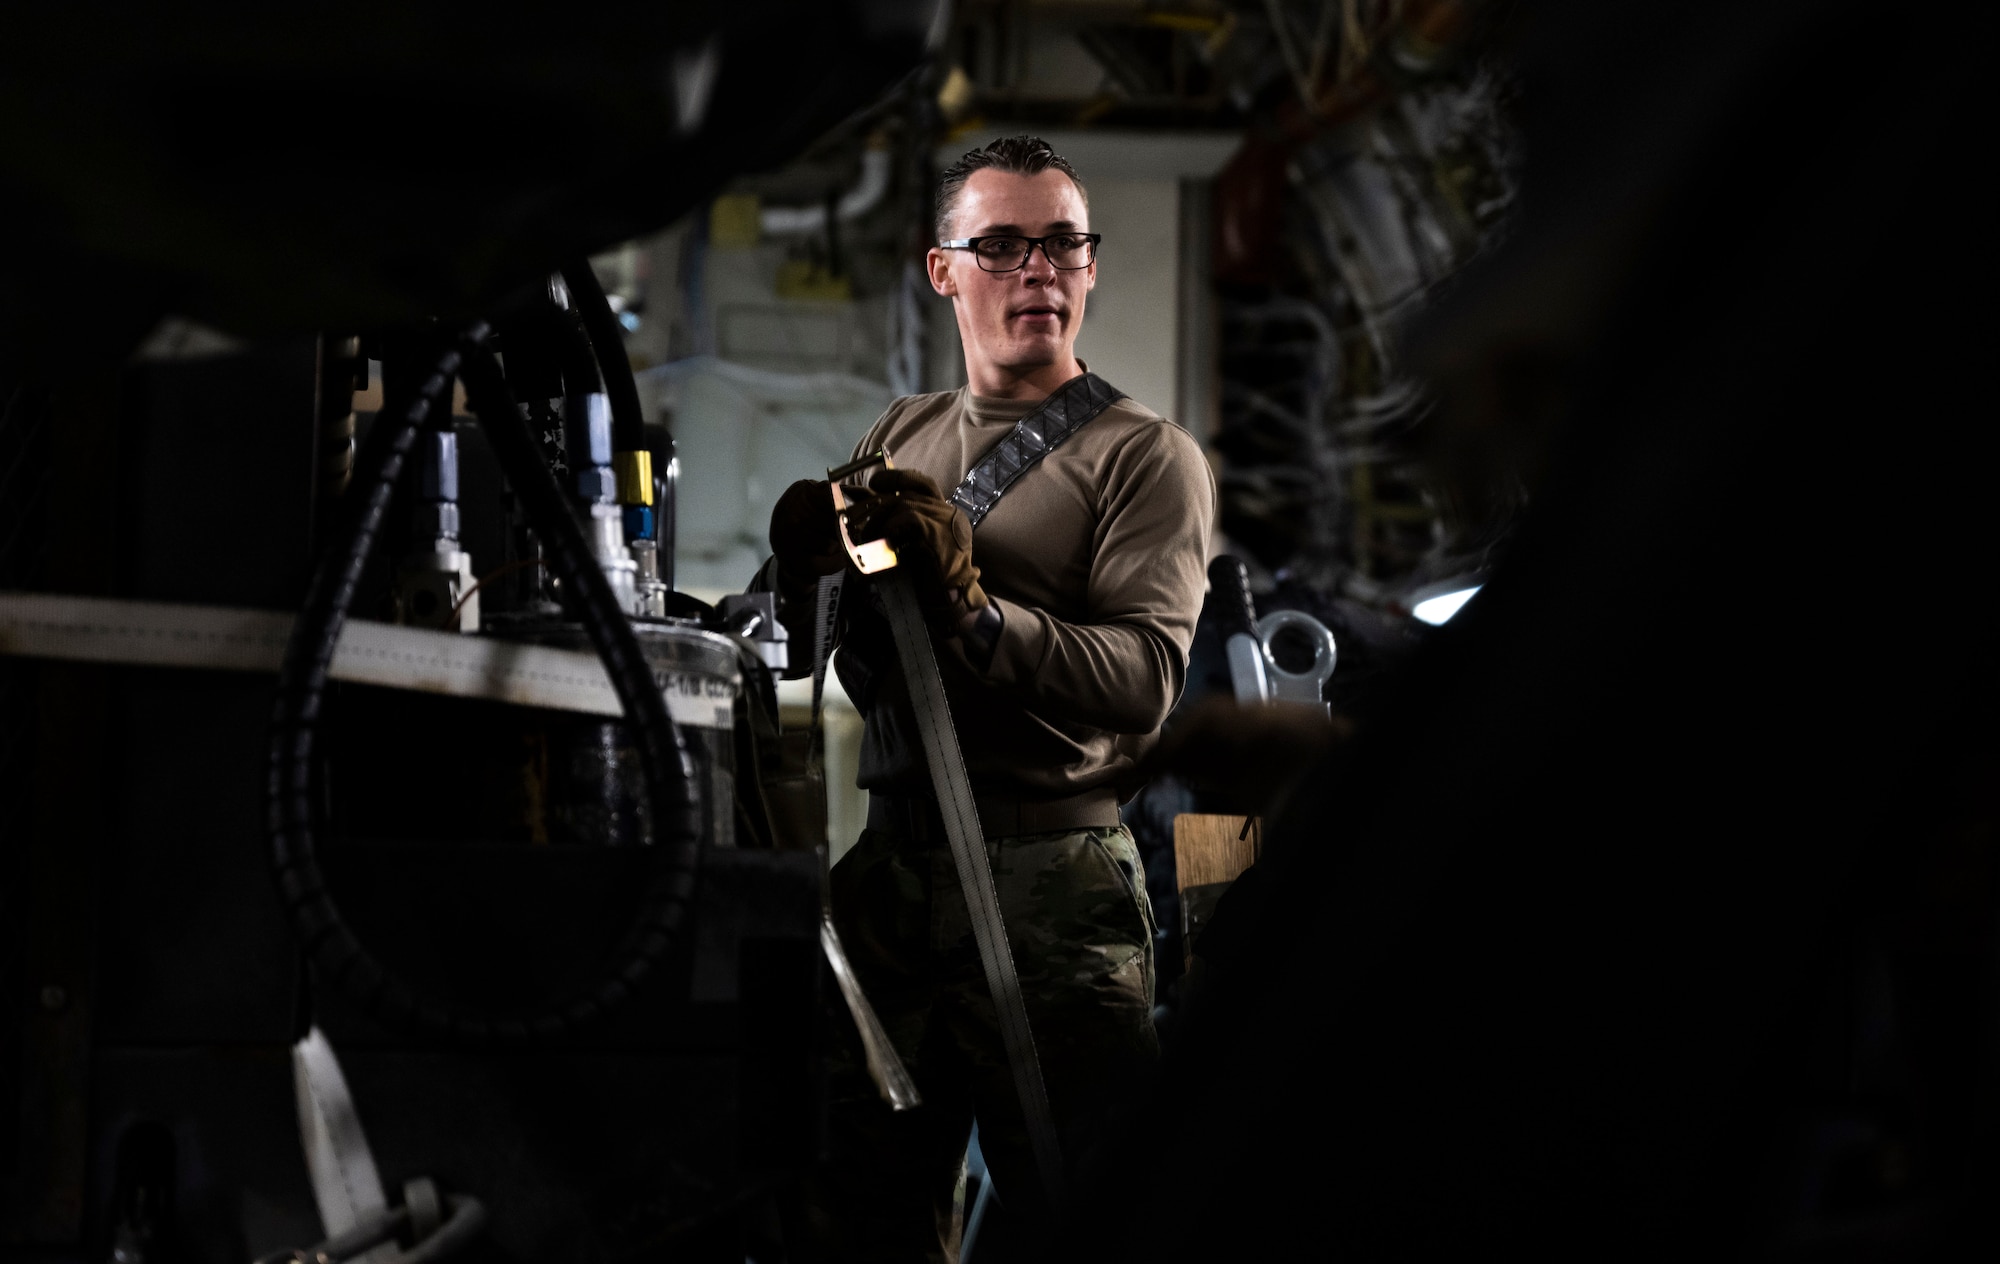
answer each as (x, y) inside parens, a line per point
(1119, 676)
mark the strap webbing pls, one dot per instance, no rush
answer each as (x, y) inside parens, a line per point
(826, 618)
(1048, 427)
(346, 1184)
(885, 1065)
(975, 874)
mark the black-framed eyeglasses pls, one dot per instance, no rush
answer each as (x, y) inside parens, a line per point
(1008, 253)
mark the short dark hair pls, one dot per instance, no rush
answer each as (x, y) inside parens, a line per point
(1017, 155)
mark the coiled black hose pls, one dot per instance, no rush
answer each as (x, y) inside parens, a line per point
(340, 957)
(628, 422)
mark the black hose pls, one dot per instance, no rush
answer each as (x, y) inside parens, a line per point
(549, 353)
(664, 527)
(324, 934)
(577, 363)
(578, 358)
(1235, 608)
(628, 422)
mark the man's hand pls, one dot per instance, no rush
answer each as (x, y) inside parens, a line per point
(805, 536)
(932, 538)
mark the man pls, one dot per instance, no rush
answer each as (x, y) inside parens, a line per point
(1062, 628)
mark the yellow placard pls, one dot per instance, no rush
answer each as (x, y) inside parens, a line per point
(733, 220)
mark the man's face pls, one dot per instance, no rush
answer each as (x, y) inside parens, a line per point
(1027, 318)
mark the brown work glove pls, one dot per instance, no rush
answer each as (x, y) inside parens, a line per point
(931, 537)
(805, 537)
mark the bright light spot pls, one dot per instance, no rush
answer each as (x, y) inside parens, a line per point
(1436, 610)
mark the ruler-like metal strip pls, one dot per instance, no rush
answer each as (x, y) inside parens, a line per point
(218, 638)
(975, 873)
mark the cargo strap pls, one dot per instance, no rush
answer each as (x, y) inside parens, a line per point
(346, 1186)
(975, 874)
(360, 1226)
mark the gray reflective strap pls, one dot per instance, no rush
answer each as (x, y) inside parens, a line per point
(975, 875)
(1067, 410)
(345, 1183)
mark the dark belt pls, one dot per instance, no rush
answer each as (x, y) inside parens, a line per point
(920, 820)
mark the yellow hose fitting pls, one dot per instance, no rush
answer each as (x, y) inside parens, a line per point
(635, 477)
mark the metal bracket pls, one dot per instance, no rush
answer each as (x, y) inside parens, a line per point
(872, 556)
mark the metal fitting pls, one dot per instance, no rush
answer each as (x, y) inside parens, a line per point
(650, 598)
(588, 420)
(1299, 656)
(646, 557)
(638, 522)
(607, 544)
(434, 583)
(437, 477)
(635, 477)
(597, 485)
(754, 616)
(437, 520)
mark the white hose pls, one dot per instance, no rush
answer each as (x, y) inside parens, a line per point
(779, 221)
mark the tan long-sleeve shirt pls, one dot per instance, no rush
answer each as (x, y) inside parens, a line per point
(1096, 558)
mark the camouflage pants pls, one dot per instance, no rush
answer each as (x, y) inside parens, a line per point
(1082, 933)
